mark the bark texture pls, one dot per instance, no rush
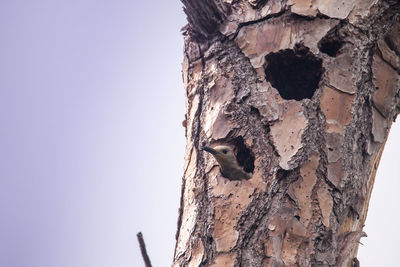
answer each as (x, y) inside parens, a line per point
(306, 89)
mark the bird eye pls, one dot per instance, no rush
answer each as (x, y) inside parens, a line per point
(224, 151)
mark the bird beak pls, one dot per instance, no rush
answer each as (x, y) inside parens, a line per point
(209, 149)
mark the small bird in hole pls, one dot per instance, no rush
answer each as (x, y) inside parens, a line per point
(230, 168)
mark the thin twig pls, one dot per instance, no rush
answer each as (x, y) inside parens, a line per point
(143, 250)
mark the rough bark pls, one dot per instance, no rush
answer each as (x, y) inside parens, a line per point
(309, 88)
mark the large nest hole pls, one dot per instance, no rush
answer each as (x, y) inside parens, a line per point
(294, 73)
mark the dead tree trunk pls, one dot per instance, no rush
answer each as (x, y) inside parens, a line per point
(305, 92)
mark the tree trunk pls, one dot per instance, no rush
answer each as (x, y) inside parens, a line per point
(305, 91)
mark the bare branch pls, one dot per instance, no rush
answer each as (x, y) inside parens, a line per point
(143, 250)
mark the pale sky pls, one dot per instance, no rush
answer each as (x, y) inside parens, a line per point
(92, 147)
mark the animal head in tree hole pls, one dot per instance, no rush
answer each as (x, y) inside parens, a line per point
(235, 159)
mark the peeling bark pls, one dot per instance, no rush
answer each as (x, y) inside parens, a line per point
(309, 88)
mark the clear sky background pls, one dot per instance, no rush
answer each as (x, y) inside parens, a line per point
(92, 147)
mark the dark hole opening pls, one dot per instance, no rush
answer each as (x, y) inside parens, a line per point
(330, 46)
(243, 155)
(332, 42)
(294, 73)
(255, 111)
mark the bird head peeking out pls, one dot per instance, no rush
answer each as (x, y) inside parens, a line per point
(227, 160)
